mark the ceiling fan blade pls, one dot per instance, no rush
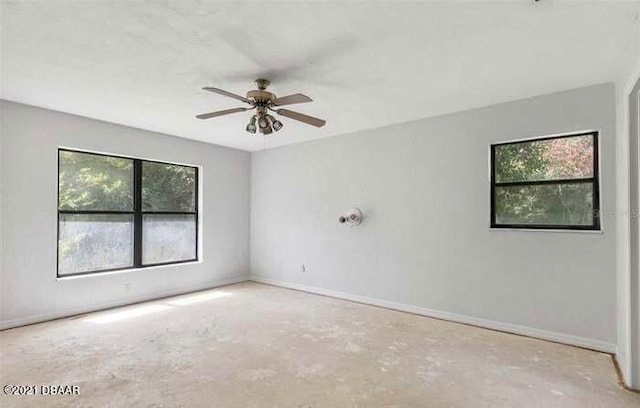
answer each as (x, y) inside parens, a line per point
(225, 93)
(221, 113)
(310, 120)
(291, 99)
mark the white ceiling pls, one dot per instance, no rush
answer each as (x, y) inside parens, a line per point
(365, 64)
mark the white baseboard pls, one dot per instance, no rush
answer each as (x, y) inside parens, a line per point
(22, 321)
(489, 324)
(475, 321)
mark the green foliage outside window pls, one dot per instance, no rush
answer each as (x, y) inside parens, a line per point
(96, 212)
(94, 182)
(541, 182)
(168, 187)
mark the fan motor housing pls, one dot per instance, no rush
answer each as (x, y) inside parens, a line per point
(260, 96)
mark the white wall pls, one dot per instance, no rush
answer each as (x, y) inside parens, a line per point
(626, 356)
(30, 290)
(1, 212)
(426, 242)
(633, 289)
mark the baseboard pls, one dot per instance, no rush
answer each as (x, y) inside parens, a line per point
(23, 321)
(438, 314)
(568, 339)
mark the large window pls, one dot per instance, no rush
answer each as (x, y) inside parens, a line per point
(118, 213)
(548, 183)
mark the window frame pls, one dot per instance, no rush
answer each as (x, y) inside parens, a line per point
(137, 213)
(594, 181)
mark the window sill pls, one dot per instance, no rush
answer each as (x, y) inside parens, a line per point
(121, 271)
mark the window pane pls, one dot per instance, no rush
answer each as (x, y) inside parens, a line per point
(550, 204)
(167, 238)
(93, 182)
(89, 242)
(168, 187)
(560, 158)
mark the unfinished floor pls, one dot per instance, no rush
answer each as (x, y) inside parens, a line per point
(254, 345)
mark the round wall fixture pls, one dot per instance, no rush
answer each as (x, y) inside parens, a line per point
(352, 218)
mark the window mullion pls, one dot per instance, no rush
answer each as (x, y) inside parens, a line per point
(137, 217)
(170, 212)
(544, 182)
(91, 212)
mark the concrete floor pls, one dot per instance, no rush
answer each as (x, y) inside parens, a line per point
(253, 345)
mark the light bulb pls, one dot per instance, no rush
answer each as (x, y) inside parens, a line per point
(251, 127)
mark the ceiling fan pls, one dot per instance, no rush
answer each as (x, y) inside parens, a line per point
(264, 101)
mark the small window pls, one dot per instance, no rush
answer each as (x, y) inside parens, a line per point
(118, 213)
(547, 183)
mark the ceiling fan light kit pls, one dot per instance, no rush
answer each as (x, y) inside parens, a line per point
(251, 127)
(264, 102)
(277, 125)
